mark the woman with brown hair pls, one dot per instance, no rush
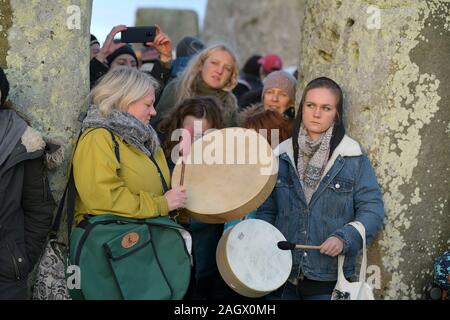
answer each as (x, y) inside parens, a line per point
(325, 181)
(203, 109)
(192, 114)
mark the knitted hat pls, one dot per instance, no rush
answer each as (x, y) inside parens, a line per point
(4, 87)
(271, 62)
(126, 49)
(281, 80)
(94, 40)
(188, 46)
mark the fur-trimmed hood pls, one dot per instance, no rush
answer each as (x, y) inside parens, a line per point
(54, 150)
(248, 112)
(346, 148)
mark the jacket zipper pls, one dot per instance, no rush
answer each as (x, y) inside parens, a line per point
(45, 183)
(13, 258)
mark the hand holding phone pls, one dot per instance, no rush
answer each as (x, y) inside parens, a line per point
(162, 44)
(138, 34)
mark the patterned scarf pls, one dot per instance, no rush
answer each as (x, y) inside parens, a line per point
(126, 126)
(312, 159)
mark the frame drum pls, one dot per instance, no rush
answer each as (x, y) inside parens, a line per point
(249, 259)
(228, 174)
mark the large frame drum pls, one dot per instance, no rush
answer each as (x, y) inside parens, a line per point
(228, 173)
(249, 259)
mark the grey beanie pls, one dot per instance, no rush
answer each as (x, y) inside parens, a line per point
(188, 46)
(282, 80)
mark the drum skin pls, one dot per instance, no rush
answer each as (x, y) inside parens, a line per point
(228, 189)
(249, 259)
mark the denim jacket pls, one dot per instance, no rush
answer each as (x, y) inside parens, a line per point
(348, 191)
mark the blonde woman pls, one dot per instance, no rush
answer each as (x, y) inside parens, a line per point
(213, 72)
(121, 108)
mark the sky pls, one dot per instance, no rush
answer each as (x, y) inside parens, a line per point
(108, 13)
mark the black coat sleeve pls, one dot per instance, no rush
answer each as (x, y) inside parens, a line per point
(161, 72)
(38, 205)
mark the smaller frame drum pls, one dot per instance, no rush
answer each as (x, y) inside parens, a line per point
(249, 259)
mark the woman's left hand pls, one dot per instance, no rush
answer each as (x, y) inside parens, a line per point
(162, 44)
(332, 247)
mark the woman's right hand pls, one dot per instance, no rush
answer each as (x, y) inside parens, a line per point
(176, 198)
(110, 46)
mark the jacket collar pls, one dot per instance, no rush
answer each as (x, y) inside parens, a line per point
(346, 148)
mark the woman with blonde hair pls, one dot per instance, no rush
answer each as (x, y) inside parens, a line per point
(120, 169)
(122, 104)
(212, 72)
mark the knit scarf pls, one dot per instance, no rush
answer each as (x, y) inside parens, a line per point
(312, 159)
(126, 126)
(229, 103)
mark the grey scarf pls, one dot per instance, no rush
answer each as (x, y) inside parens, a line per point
(126, 126)
(12, 128)
(312, 159)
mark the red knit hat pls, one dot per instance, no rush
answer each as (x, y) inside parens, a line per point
(271, 62)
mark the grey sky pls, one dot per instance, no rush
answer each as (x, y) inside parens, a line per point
(108, 13)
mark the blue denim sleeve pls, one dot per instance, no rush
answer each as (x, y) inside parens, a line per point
(269, 209)
(369, 210)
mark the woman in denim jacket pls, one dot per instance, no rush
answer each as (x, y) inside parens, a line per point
(324, 182)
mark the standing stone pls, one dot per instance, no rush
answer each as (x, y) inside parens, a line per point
(392, 61)
(44, 49)
(256, 27)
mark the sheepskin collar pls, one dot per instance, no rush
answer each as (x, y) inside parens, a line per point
(346, 148)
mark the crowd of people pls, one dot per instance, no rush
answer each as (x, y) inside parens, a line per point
(324, 179)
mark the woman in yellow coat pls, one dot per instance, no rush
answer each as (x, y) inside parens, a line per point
(122, 106)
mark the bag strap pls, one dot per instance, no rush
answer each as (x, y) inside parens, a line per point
(174, 213)
(161, 176)
(341, 278)
(362, 231)
(70, 192)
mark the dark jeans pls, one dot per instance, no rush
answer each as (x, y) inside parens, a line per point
(290, 292)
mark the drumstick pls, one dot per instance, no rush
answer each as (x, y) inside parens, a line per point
(301, 246)
(183, 166)
(286, 245)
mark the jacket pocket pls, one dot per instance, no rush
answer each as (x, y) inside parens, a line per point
(14, 263)
(135, 265)
(338, 198)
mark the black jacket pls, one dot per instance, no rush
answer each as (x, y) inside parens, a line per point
(26, 207)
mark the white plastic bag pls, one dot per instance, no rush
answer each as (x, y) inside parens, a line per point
(360, 290)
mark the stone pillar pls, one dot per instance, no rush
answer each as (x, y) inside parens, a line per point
(44, 49)
(392, 61)
(256, 27)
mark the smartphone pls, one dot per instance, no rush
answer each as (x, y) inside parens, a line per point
(138, 34)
